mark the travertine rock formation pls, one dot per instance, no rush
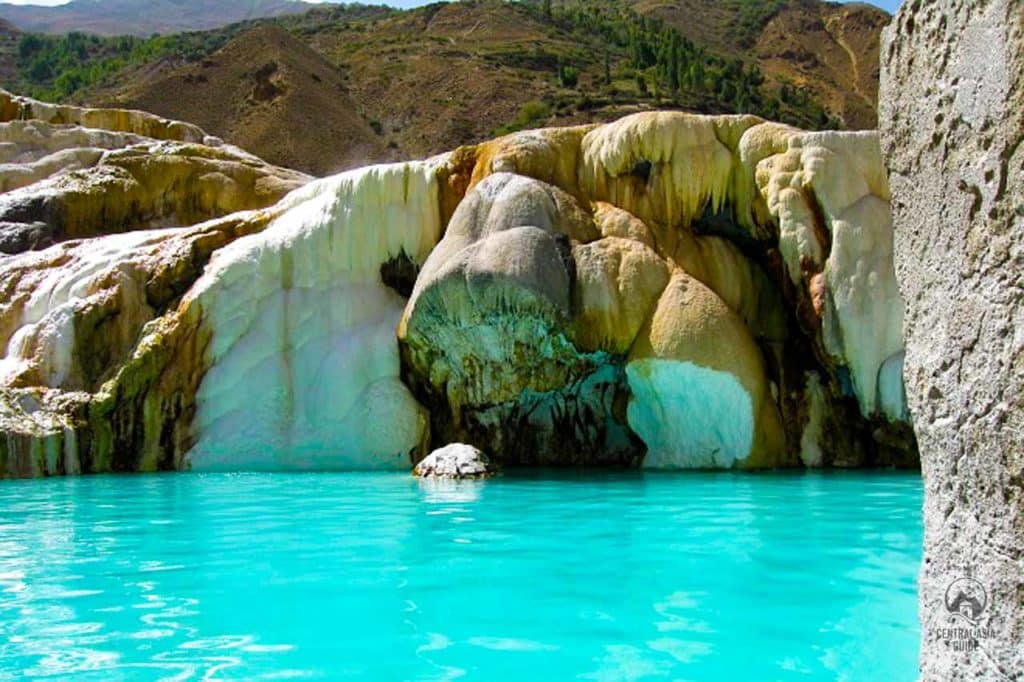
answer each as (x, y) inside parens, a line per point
(667, 290)
(303, 365)
(102, 362)
(69, 173)
(679, 290)
(17, 108)
(147, 350)
(952, 126)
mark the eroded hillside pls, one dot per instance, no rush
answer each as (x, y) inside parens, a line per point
(439, 76)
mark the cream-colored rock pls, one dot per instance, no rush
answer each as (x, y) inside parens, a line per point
(513, 230)
(714, 261)
(701, 398)
(154, 184)
(25, 141)
(15, 107)
(53, 289)
(487, 336)
(741, 284)
(822, 196)
(489, 321)
(829, 193)
(549, 155)
(304, 370)
(615, 222)
(33, 150)
(101, 363)
(14, 175)
(493, 289)
(666, 168)
(617, 283)
(71, 172)
(160, 364)
(758, 143)
(96, 340)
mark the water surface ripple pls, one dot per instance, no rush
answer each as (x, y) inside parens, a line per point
(379, 576)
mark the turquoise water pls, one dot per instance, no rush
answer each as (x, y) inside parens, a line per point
(379, 576)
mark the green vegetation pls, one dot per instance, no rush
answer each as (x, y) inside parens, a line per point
(601, 54)
(568, 76)
(531, 115)
(650, 53)
(56, 67)
(752, 16)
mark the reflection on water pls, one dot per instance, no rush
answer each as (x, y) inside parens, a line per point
(602, 577)
(443, 491)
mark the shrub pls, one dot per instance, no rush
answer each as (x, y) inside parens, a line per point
(568, 75)
(529, 116)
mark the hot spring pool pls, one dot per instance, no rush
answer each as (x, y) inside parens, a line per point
(379, 576)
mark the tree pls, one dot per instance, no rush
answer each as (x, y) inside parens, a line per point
(29, 44)
(568, 75)
(672, 62)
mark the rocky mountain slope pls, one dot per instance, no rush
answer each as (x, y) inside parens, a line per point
(436, 77)
(142, 18)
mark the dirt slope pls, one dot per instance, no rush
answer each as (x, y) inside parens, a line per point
(268, 93)
(832, 50)
(429, 79)
(448, 74)
(9, 37)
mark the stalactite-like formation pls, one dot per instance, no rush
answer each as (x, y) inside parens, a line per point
(667, 290)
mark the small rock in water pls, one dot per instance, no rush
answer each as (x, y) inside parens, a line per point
(456, 460)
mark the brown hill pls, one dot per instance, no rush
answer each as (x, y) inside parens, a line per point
(827, 48)
(266, 92)
(706, 23)
(429, 79)
(9, 37)
(143, 17)
(448, 74)
(832, 50)
(411, 83)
